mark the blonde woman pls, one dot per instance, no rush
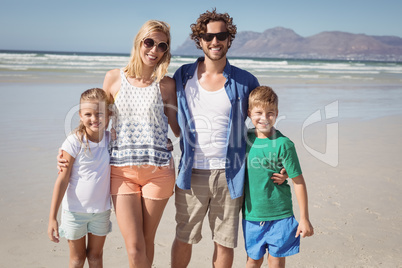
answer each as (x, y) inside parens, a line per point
(142, 170)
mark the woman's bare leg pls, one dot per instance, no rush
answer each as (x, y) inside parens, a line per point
(129, 216)
(152, 214)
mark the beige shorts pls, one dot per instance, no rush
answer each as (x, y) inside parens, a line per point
(209, 193)
(153, 182)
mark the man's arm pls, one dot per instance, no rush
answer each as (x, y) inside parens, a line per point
(281, 177)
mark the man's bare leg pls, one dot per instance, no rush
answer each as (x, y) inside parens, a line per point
(223, 256)
(181, 254)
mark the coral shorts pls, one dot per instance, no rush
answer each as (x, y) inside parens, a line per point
(152, 182)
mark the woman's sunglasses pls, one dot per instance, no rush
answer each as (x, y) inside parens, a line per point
(150, 43)
(208, 37)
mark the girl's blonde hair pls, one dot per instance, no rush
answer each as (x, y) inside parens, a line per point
(93, 94)
(134, 67)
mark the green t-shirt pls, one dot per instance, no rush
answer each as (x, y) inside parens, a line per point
(263, 199)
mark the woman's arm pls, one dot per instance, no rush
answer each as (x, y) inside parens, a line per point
(168, 91)
(111, 84)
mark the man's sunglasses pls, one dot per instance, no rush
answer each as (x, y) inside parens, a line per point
(208, 37)
(150, 43)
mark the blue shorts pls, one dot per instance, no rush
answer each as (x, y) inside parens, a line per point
(278, 237)
(75, 225)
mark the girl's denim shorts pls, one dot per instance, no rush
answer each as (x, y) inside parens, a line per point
(75, 225)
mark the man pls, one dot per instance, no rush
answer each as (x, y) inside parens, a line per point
(212, 102)
(212, 107)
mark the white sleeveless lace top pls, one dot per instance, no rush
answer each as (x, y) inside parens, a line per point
(141, 126)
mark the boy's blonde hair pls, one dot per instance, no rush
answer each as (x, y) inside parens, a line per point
(134, 67)
(263, 96)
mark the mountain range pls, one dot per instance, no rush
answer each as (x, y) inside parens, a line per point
(284, 43)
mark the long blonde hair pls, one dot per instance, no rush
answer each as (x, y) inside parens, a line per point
(134, 66)
(93, 94)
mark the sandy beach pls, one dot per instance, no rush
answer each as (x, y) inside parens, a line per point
(355, 204)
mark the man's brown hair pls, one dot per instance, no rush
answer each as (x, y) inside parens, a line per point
(200, 27)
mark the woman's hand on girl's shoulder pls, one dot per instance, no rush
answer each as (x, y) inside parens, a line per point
(61, 162)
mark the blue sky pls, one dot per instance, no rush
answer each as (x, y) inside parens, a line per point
(110, 25)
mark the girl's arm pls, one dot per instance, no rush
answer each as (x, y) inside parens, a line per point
(60, 187)
(305, 228)
(168, 91)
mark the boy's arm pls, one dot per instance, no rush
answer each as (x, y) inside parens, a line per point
(305, 228)
(60, 187)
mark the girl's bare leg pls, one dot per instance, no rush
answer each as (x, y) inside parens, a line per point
(95, 250)
(78, 252)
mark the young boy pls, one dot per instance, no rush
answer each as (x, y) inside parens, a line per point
(268, 220)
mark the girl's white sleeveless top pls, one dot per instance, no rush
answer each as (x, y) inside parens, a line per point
(141, 126)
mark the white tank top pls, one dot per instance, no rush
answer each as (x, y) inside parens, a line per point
(210, 112)
(141, 126)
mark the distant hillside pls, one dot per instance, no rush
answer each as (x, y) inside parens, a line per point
(285, 43)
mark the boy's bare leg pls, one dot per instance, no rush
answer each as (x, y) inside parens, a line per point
(275, 262)
(251, 263)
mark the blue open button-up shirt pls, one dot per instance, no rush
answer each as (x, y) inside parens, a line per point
(238, 86)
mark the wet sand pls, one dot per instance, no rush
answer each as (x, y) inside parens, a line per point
(354, 204)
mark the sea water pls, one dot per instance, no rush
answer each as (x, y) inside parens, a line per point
(40, 90)
(42, 64)
(363, 90)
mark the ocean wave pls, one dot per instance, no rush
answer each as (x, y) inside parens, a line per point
(100, 63)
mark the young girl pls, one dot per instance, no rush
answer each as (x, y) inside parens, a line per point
(85, 184)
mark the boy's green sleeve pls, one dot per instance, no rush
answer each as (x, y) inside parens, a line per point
(290, 160)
